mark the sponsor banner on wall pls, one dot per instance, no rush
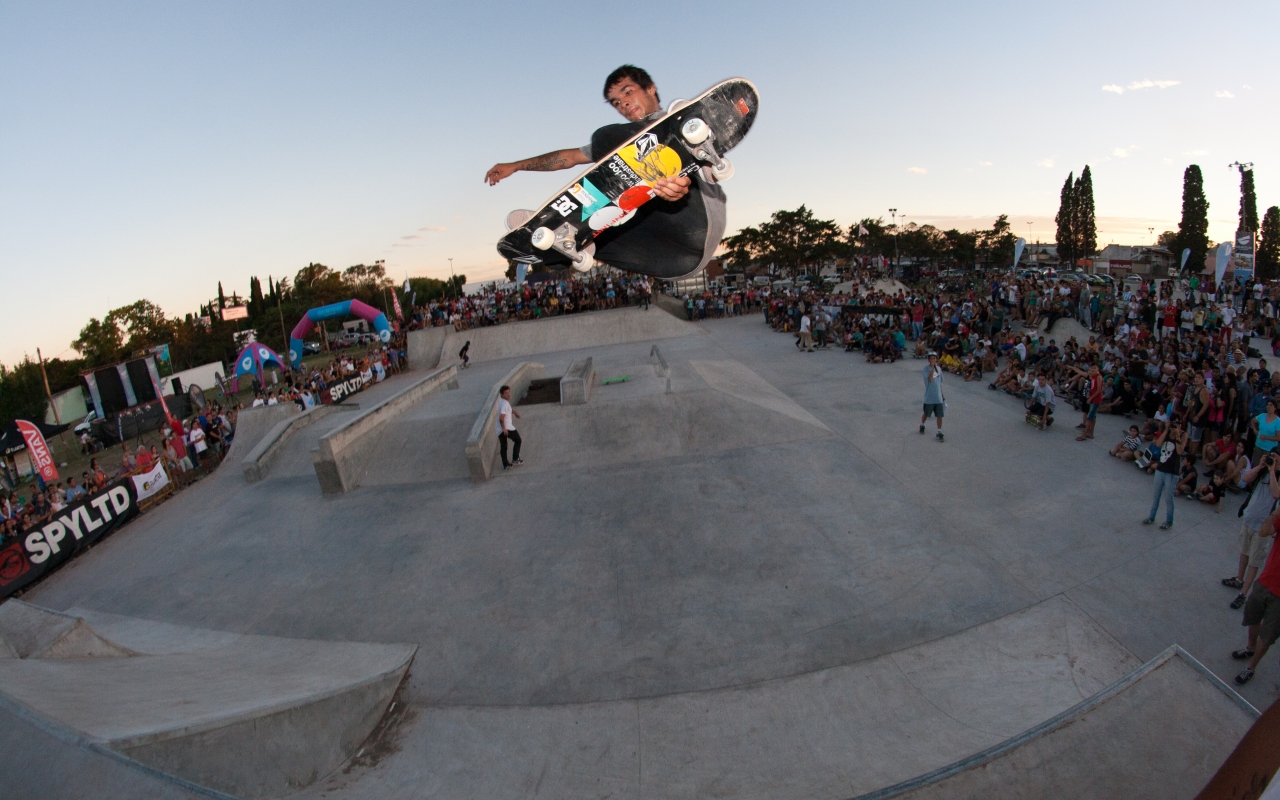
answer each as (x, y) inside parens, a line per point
(38, 449)
(150, 484)
(338, 392)
(82, 523)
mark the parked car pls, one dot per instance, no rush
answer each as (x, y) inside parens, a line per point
(310, 348)
(86, 424)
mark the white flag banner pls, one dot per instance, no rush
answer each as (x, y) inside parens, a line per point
(151, 483)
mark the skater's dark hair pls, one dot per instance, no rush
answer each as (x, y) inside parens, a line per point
(503, 389)
(633, 72)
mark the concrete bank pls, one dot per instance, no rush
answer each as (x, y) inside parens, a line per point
(432, 347)
(343, 453)
(482, 442)
(258, 462)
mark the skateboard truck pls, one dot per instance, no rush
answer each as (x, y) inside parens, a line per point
(562, 240)
(700, 138)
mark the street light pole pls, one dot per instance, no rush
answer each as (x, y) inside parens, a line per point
(897, 263)
(452, 278)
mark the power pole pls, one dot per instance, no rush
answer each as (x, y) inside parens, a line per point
(56, 416)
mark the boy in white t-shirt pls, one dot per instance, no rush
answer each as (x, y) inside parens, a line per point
(507, 429)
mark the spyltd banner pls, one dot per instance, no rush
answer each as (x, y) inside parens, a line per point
(38, 448)
(82, 523)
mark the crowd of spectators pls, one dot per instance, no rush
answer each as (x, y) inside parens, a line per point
(570, 294)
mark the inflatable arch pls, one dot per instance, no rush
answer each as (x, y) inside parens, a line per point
(363, 310)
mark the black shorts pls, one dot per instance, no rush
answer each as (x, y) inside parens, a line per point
(1263, 609)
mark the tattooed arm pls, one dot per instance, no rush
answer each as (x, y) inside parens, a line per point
(548, 162)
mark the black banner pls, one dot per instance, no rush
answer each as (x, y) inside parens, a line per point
(38, 552)
(337, 392)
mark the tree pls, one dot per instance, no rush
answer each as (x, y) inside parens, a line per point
(1193, 230)
(22, 392)
(1167, 240)
(962, 248)
(790, 239)
(101, 342)
(1066, 217)
(1248, 202)
(1085, 223)
(1268, 258)
(998, 243)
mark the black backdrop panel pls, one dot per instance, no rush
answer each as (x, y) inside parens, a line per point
(110, 390)
(143, 389)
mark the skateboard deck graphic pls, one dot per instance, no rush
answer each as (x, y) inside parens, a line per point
(688, 137)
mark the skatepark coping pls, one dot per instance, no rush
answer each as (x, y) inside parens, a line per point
(342, 454)
(482, 443)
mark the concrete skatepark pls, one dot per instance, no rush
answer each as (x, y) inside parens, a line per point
(740, 573)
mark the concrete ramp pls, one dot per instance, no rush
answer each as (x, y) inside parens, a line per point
(1158, 733)
(254, 716)
(28, 631)
(553, 334)
(58, 763)
(252, 425)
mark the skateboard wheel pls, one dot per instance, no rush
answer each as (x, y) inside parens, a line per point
(676, 105)
(543, 238)
(695, 131)
(722, 171)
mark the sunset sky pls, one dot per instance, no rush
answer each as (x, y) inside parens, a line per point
(151, 150)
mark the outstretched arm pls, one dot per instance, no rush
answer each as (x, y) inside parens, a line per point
(665, 188)
(547, 162)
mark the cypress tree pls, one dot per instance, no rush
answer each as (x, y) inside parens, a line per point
(222, 299)
(1193, 230)
(1268, 259)
(1086, 221)
(1066, 236)
(1248, 202)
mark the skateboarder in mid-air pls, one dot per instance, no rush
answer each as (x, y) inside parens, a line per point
(669, 239)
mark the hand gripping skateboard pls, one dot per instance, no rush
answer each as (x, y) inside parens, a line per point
(691, 135)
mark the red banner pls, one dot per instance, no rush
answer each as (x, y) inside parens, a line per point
(396, 300)
(38, 448)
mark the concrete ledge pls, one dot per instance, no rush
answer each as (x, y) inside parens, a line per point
(343, 453)
(577, 383)
(672, 305)
(260, 458)
(482, 443)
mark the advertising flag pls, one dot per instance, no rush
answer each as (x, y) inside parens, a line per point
(395, 300)
(1017, 250)
(1220, 268)
(522, 270)
(38, 448)
(1185, 255)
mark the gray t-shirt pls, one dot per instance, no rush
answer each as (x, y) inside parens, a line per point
(1260, 503)
(932, 388)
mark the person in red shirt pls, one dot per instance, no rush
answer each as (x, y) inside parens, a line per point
(1262, 609)
(1169, 329)
(1093, 393)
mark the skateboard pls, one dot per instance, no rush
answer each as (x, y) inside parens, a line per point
(692, 134)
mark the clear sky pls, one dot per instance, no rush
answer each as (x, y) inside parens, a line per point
(153, 149)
